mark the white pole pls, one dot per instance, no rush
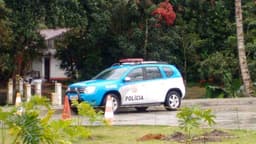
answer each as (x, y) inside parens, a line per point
(10, 92)
(38, 88)
(28, 91)
(57, 96)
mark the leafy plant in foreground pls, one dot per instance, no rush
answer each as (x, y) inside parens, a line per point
(32, 123)
(192, 118)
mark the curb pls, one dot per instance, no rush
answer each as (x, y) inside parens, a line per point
(217, 102)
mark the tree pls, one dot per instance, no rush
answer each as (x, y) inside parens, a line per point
(81, 50)
(27, 43)
(165, 13)
(5, 31)
(249, 23)
(28, 17)
(5, 41)
(202, 27)
(241, 50)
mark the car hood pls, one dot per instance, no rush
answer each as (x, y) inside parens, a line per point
(97, 82)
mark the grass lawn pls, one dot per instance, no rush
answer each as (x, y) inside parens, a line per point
(130, 135)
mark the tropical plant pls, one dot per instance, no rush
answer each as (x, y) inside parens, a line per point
(191, 118)
(27, 124)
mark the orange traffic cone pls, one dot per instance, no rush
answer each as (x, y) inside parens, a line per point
(18, 99)
(109, 114)
(66, 114)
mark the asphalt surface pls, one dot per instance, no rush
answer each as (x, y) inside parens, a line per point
(234, 113)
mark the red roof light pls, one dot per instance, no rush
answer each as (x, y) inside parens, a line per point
(131, 60)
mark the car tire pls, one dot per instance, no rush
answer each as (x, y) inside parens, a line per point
(73, 108)
(173, 100)
(115, 102)
(141, 109)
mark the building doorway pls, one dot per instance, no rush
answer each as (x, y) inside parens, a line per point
(47, 68)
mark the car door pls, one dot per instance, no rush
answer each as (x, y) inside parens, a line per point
(133, 89)
(154, 83)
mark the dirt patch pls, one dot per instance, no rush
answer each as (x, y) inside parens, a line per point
(152, 137)
(213, 136)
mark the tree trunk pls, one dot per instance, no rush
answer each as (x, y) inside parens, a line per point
(241, 50)
(145, 52)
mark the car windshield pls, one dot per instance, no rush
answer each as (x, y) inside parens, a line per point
(111, 74)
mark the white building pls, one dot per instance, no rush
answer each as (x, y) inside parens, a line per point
(48, 67)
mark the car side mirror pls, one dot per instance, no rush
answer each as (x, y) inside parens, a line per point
(127, 79)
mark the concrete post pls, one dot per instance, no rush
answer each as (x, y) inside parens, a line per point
(57, 96)
(28, 91)
(38, 88)
(10, 92)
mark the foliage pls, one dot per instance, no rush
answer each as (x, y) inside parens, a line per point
(250, 38)
(27, 18)
(204, 26)
(86, 110)
(5, 41)
(5, 31)
(221, 67)
(59, 13)
(165, 13)
(84, 47)
(104, 31)
(26, 42)
(29, 125)
(191, 118)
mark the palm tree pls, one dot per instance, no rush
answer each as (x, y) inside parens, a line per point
(241, 50)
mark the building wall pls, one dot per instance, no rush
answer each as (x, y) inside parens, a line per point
(37, 65)
(56, 73)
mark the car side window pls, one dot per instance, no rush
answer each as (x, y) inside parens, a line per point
(168, 71)
(152, 73)
(136, 74)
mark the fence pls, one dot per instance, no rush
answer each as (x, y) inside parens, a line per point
(54, 91)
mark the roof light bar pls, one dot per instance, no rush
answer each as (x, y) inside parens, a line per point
(130, 60)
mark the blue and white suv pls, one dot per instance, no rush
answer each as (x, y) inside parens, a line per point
(132, 83)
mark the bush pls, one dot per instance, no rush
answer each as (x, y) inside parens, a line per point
(28, 126)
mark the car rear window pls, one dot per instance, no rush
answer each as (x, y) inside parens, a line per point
(168, 71)
(152, 73)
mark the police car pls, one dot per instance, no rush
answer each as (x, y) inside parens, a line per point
(134, 83)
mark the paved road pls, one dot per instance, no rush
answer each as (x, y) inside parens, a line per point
(237, 113)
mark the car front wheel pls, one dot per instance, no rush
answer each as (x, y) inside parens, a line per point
(115, 102)
(173, 100)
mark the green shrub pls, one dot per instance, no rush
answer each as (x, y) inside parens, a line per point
(29, 125)
(192, 118)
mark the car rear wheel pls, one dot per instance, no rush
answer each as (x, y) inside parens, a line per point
(173, 100)
(115, 102)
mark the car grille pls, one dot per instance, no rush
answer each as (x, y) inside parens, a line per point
(80, 90)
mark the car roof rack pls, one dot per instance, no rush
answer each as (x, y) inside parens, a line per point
(133, 61)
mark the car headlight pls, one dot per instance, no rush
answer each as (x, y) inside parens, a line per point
(89, 89)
